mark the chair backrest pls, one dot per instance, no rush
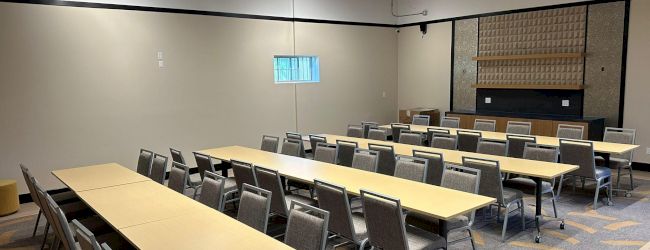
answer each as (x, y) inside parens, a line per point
(177, 155)
(346, 152)
(144, 162)
(492, 147)
(296, 137)
(411, 168)
(444, 141)
(334, 199)
(386, 160)
(105, 246)
(462, 179)
(27, 175)
(47, 211)
(327, 153)
(269, 179)
(86, 238)
(291, 147)
(485, 125)
(536, 152)
(468, 140)
(355, 131)
(579, 153)
(517, 143)
(367, 126)
(491, 185)
(254, 207)
(421, 120)
(244, 173)
(365, 160)
(450, 122)
(377, 134)
(212, 190)
(396, 129)
(314, 140)
(431, 132)
(65, 232)
(568, 131)
(384, 221)
(306, 227)
(410, 137)
(270, 143)
(178, 176)
(435, 165)
(518, 127)
(158, 168)
(620, 135)
(203, 163)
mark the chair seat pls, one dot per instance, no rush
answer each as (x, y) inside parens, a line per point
(510, 195)
(360, 230)
(602, 172)
(613, 162)
(420, 239)
(65, 197)
(113, 240)
(195, 180)
(523, 183)
(230, 185)
(299, 198)
(458, 222)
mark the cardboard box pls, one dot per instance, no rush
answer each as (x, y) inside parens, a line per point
(406, 115)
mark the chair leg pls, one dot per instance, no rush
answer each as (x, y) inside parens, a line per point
(559, 187)
(523, 215)
(582, 179)
(47, 228)
(597, 191)
(505, 223)
(553, 201)
(574, 184)
(631, 178)
(38, 219)
(618, 178)
(471, 238)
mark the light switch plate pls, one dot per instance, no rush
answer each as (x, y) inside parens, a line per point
(161, 64)
(488, 99)
(383, 94)
(647, 151)
(160, 55)
(565, 103)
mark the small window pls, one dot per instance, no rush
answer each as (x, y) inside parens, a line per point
(296, 69)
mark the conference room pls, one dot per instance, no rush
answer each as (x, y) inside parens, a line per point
(324, 124)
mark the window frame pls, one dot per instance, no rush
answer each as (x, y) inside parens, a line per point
(314, 62)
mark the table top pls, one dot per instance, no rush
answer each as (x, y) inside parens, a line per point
(97, 176)
(434, 201)
(545, 170)
(202, 229)
(7, 182)
(599, 146)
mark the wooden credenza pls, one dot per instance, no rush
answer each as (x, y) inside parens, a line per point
(541, 125)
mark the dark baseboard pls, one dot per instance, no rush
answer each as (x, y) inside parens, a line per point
(641, 166)
(26, 198)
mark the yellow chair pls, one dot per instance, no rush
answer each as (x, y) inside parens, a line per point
(8, 197)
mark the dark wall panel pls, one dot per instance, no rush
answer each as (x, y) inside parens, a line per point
(528, 101)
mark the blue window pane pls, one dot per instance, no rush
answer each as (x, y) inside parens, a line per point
(296, 69)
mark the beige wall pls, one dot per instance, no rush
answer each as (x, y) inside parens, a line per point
(424, 68)
(637, 82)
(81, 86)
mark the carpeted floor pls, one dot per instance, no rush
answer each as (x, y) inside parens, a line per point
(625, 225)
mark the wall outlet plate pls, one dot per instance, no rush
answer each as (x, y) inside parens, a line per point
(160, 55)
(565, 103)
(647, 151)
(161, 64)
(488, 99)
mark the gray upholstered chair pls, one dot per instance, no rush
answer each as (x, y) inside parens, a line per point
(568, 131)
(396, 129)
(87, 240)
(444, 142)
(144, 162)
(466, 180)
(387, 228)
(620, 161)
(214, 190)
(411, 138)
(270, 143)
(177, 155)
(296, 137)
(435, 165)
(491, 186)
(327, 153)
(485, 125)
(291, 147)
(355, 131)
(269, 179)
(517, 143)
(346, 152)
(581, 153)
(377, 134)
(205, 165)
(306, 227)
(411, 168)
(492, 147)
(421, 120)
(367, 126)
(194, 180)
(178, 177)
(386, 163)
(244, 173)
(364, 159)
(450, 122)
(537, 152)
(254, 207)
(518, 127)
(468, 140)
(158, 168)
(431, 132)
(343, 222)
(314, 140)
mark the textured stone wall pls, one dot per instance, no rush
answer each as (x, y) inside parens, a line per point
(465, 47)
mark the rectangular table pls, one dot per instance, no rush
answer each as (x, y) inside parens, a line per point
(97, 176)
(434, 201)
